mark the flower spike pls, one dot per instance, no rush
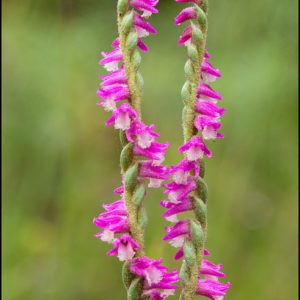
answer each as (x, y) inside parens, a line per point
(123, 221)
(187, 190)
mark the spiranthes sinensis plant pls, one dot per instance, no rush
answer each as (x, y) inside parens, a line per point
(142, 156)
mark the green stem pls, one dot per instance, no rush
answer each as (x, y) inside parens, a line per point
(135, 100)
(134, 191)
(135, 91)
(136, 231)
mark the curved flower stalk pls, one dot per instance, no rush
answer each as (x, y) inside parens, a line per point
(123, 221)
(188, 191)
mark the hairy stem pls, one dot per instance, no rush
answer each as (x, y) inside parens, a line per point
(134, 190)
(131, 73)
(135, 100)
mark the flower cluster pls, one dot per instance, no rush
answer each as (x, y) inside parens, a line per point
(158, 283)
(208, 279)
(115, 88)
(208, 119)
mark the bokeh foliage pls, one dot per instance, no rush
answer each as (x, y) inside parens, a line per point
(61, 162)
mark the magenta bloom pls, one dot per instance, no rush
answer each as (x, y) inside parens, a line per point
(177, 192)
(189, 1)
(124, 247)
(142, 45)
(181, 172)
(114, 219)
(106, 236)
(115, 77)
(142, 27)
(211, 73)
(146, 6)
(148, 268)
(212, 289)
(119, 190)
(180, 229)
(195, 149)
(209, 109)
(148, 170)
(176, 208)
(166, 283)
(111, 59)
(158, 283)
(186, 36)
(144, 134)
(206, 91)
(122, 117)
(151, 270)
(155, 294)
(185, 15)
(111, 94)
(210, 269)
(209, 127)
(156, 151)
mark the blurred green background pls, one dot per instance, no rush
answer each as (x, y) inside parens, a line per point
(61, 163)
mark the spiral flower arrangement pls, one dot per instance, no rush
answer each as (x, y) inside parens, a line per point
(142, 156)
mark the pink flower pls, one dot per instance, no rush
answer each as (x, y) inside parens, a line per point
(185, 15)
(209, 127)
(210, 269)
(206, 55)
(156, 151)
(124, 247)
(211, 73)
(148, 268)
(122, 117)
(142, 27)
(156, 174)
(167, 281)
(186, 36)
(111, 59)
(190, 1)
(143, 133)
(111, 94)
(156, 276)
(206, 91)
(181, 172)
(114, 219)
(119, 189)
(211, 288)
(195, 149)
(176, 208)
(146, 6)
(115, 77)
(142, 45)
(158, 283)
(116, 42)
(106, 236)
(209, 109)
(157, 294)
(176, 192)
(180, 229)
